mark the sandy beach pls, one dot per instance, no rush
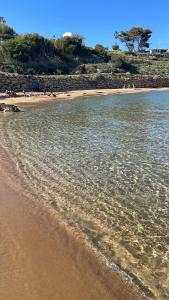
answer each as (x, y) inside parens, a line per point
(38, 97)
(40, 257)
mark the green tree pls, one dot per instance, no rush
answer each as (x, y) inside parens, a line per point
(135, 39)
(70, 45)
(32, 53)
(2, 20)
(115, 47)
(6, 32)
(29, 47)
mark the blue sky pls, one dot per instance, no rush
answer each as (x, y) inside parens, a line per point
(96, 20)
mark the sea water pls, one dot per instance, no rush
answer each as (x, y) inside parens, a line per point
(103, 164)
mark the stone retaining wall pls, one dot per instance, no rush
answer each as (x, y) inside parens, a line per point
(31, 83)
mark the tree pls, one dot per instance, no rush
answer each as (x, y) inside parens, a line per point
(115, 47)
(2, 20)
(71, 45)
(6, 32)
(29, 47)
(141, 37)
(32, 53)
(135, 39)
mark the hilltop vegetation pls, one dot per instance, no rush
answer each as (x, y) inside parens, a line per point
(34, 54)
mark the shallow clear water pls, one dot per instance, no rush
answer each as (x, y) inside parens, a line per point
(103, 163)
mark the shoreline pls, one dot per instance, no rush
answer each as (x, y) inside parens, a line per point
(41, 98)
(41, 257)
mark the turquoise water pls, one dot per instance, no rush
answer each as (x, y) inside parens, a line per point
(103, 164)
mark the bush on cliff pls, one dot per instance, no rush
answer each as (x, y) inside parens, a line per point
(102, 52)
(71, 46)
(32, 52)
(35, 54)
(6, 32)
(29, 47)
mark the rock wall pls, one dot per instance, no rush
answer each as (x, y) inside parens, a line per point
(32, 83)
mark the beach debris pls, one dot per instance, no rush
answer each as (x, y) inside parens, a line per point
(9, 108)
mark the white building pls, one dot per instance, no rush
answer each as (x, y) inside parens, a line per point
(68, 34)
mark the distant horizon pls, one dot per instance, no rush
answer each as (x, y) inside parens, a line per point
(96, 22)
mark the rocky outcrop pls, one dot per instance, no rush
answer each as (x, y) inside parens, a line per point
(9, 108)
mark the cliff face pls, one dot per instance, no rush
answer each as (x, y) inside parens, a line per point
(29, 83)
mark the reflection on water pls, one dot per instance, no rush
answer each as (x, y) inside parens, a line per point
(103, 163)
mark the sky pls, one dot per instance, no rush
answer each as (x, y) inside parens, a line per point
(96, 20)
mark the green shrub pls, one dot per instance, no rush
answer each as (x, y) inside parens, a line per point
(6, 32)
(117, 52)
(152, 57)
(29, 47)
(102, 52)
(70, 45)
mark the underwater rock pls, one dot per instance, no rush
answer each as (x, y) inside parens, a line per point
(9, 108)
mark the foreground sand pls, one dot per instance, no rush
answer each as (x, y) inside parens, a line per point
(40, 259)
(37, 97)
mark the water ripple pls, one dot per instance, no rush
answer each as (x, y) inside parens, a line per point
(103, 163)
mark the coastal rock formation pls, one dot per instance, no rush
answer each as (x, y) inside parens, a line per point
(9, 108)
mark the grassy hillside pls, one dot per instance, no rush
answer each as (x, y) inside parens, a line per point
(150, 65)
(90, 61)
(35, 54)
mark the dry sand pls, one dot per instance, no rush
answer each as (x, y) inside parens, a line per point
(75, 94)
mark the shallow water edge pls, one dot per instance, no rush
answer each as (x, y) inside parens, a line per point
(109, 280)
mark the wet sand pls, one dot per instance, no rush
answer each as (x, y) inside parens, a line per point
(38, 97)
(40, 258)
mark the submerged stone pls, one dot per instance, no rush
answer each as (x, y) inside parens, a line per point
(9, 108)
